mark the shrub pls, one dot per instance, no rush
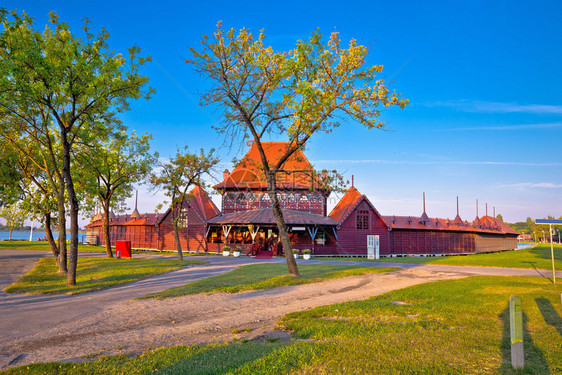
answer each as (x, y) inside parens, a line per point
(307, 251)
(226, 248)
(295, 251)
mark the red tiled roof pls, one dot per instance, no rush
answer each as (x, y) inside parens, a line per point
(265, 216)
(248, 173)
(197, 198)
(413, 222)
(346, 204)
(144, 219)
(200, 201)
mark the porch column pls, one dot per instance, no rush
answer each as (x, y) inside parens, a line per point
(226, 231)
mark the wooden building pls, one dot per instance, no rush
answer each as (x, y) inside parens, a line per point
(156, 231)
(247, 221)
(357, 218)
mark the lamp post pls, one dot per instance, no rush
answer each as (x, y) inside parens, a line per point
(550, 222)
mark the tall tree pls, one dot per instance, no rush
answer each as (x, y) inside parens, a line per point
(67, 87)
(113, 167)
(294, 94)
(177, 176)
(39, 182)
(14, 216)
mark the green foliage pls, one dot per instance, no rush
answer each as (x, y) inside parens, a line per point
(266, 276)
(114, 165)
(296, 93)
(10, 174)
(58, 89)
(177, 176)
(93, 274)
(14, 216)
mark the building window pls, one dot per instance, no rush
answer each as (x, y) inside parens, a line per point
(362, 220)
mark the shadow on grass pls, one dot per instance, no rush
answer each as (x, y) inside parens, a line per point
(543, 251)
(535, 361)
(549, 313)
(223, 359)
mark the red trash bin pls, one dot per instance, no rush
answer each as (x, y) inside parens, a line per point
(123, 248)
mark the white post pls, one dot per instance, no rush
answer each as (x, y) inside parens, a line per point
(552, 255)
(31, 233)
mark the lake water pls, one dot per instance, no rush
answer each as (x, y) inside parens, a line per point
(36, 235)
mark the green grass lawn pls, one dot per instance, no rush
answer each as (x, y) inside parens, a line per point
(265, 276)
(536, 257)
(447, 327)
(92, 274)
(44, 246)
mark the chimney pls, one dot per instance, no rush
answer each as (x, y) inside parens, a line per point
(225, 175)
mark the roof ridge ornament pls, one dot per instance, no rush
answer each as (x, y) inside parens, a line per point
(135, 214)
(424, 218)
(458, 219)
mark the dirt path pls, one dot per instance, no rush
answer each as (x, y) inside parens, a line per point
(133, 326)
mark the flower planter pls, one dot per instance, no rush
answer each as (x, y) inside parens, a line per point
(236, 253)
(306, 256)
(296, 256)
(225, 253)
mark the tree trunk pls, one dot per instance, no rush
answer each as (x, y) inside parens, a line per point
(62, 230)
(50, 239)
(73, 256)
(281, 226)
(178, 244)
(106, 230)
(9, 239)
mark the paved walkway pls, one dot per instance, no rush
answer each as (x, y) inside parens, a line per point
(23, 316)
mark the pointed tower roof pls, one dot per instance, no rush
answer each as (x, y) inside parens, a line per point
(346, 204)
(135, 214)
(458, 220)
(477, 223)
(200, 201)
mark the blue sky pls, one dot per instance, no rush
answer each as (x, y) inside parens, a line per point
(483, 79)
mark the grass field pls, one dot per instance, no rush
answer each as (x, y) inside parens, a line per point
(265, 276)
(44, 246)
(447, 327)
(536, 257)
(92, 274)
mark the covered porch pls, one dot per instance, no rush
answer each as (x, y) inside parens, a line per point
(256, 230)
